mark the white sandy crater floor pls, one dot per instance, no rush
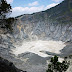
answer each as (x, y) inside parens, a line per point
(38, 47)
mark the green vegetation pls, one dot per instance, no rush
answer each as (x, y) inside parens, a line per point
(56, 66)
(5, 9)
(61, 13)
(9, 22)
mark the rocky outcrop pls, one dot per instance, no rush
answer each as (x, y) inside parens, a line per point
(53, 24)
(6, 66)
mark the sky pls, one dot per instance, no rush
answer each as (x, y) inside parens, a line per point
(20, 7)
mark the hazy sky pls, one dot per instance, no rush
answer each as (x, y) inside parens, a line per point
(20, 7)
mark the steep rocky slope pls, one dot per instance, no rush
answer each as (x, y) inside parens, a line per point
(51, 28)
(54, 24)
(6, 66)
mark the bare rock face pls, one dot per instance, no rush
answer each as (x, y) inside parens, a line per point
(53, 24)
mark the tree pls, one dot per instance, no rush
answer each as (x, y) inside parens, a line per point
(56, 66)
(5, 9)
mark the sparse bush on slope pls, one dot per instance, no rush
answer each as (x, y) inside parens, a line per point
(56, 66)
